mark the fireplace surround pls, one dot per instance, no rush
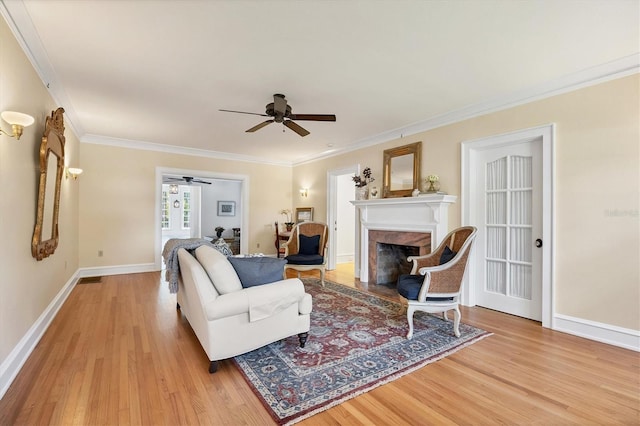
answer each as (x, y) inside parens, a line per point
(397, 244)
(420, 221)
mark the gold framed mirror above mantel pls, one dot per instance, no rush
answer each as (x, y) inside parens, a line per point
(401, 170)
(45, 234)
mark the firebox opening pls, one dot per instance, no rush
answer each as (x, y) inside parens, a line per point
(392, 262)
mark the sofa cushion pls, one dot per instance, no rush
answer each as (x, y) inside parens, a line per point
(220, 272)
(254, 271)
(447, 255)
(309, 245)
(305, 259)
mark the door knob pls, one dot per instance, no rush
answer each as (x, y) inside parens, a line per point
(538, 243)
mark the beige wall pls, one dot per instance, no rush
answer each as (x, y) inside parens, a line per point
(118, 201)
(112, 206)
(27, 286)
(597, 190)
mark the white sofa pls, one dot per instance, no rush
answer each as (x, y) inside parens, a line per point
(230, 320)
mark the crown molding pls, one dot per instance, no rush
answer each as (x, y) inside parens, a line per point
(589, 77)
(619, 68)
(180, 150)
(19, 22)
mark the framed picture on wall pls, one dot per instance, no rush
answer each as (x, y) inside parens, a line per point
(226, 208)
(304, 214)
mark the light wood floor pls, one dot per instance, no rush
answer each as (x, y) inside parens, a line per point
(118, 352)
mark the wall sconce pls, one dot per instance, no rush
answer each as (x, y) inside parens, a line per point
(18, 122)
(73, 172)
(304, 192)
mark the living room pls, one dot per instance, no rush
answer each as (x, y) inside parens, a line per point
(111, 208)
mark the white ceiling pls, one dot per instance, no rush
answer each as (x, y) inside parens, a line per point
(156, 72)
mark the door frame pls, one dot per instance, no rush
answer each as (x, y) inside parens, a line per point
(332, 212)
(244, 196)
(468, 196)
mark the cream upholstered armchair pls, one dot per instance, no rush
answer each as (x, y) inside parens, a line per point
(436, 278)
(306, 248)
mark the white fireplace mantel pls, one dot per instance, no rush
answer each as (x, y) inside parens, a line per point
(424, 213)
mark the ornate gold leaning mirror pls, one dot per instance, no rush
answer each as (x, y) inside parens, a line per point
(401, 170)
(45, 235)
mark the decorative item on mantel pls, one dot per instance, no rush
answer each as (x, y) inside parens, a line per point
(374, 194)
(361, 182)
(219, 231)
(288, 222)
(431, 185)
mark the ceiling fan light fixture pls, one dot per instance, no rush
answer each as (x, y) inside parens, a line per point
(281, 112)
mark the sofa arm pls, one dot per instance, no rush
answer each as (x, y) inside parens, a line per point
(259, 301)
(270, 299)
(305, 305)
(227, 305)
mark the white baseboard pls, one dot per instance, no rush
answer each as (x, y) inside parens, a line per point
(11, 366)
(116, 270)
(600, 332)
(344, 258)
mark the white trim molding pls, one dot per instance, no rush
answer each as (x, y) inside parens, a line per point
(600, 332)
(245, 182)
(11, 366)
(116, 270)
(19, 21)
(469, 152)
(426, 213)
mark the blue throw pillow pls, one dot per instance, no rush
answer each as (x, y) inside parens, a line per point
(309, 245)
(254, 271)
(447, 255)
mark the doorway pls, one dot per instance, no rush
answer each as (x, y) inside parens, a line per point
(236, 194)
(341, 217)
(507, 194)
(180, 211)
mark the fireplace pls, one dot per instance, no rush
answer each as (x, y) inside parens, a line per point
(392, 262)
(419, 222)
(388, 252)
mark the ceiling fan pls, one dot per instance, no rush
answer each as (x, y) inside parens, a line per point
(281, 113)
(188, 179)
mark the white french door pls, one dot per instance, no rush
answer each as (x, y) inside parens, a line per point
(508, 185)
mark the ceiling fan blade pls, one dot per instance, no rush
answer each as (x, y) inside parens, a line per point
(296, 128)
(201, 181)
(259, 126)
(243, 112)
(279, 103)
(313, 117)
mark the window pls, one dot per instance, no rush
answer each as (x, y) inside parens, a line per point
(186, 209)
(166, 211)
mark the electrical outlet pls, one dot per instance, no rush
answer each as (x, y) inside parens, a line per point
(100, 253)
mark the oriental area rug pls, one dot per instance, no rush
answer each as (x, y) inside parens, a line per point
(357, 342)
